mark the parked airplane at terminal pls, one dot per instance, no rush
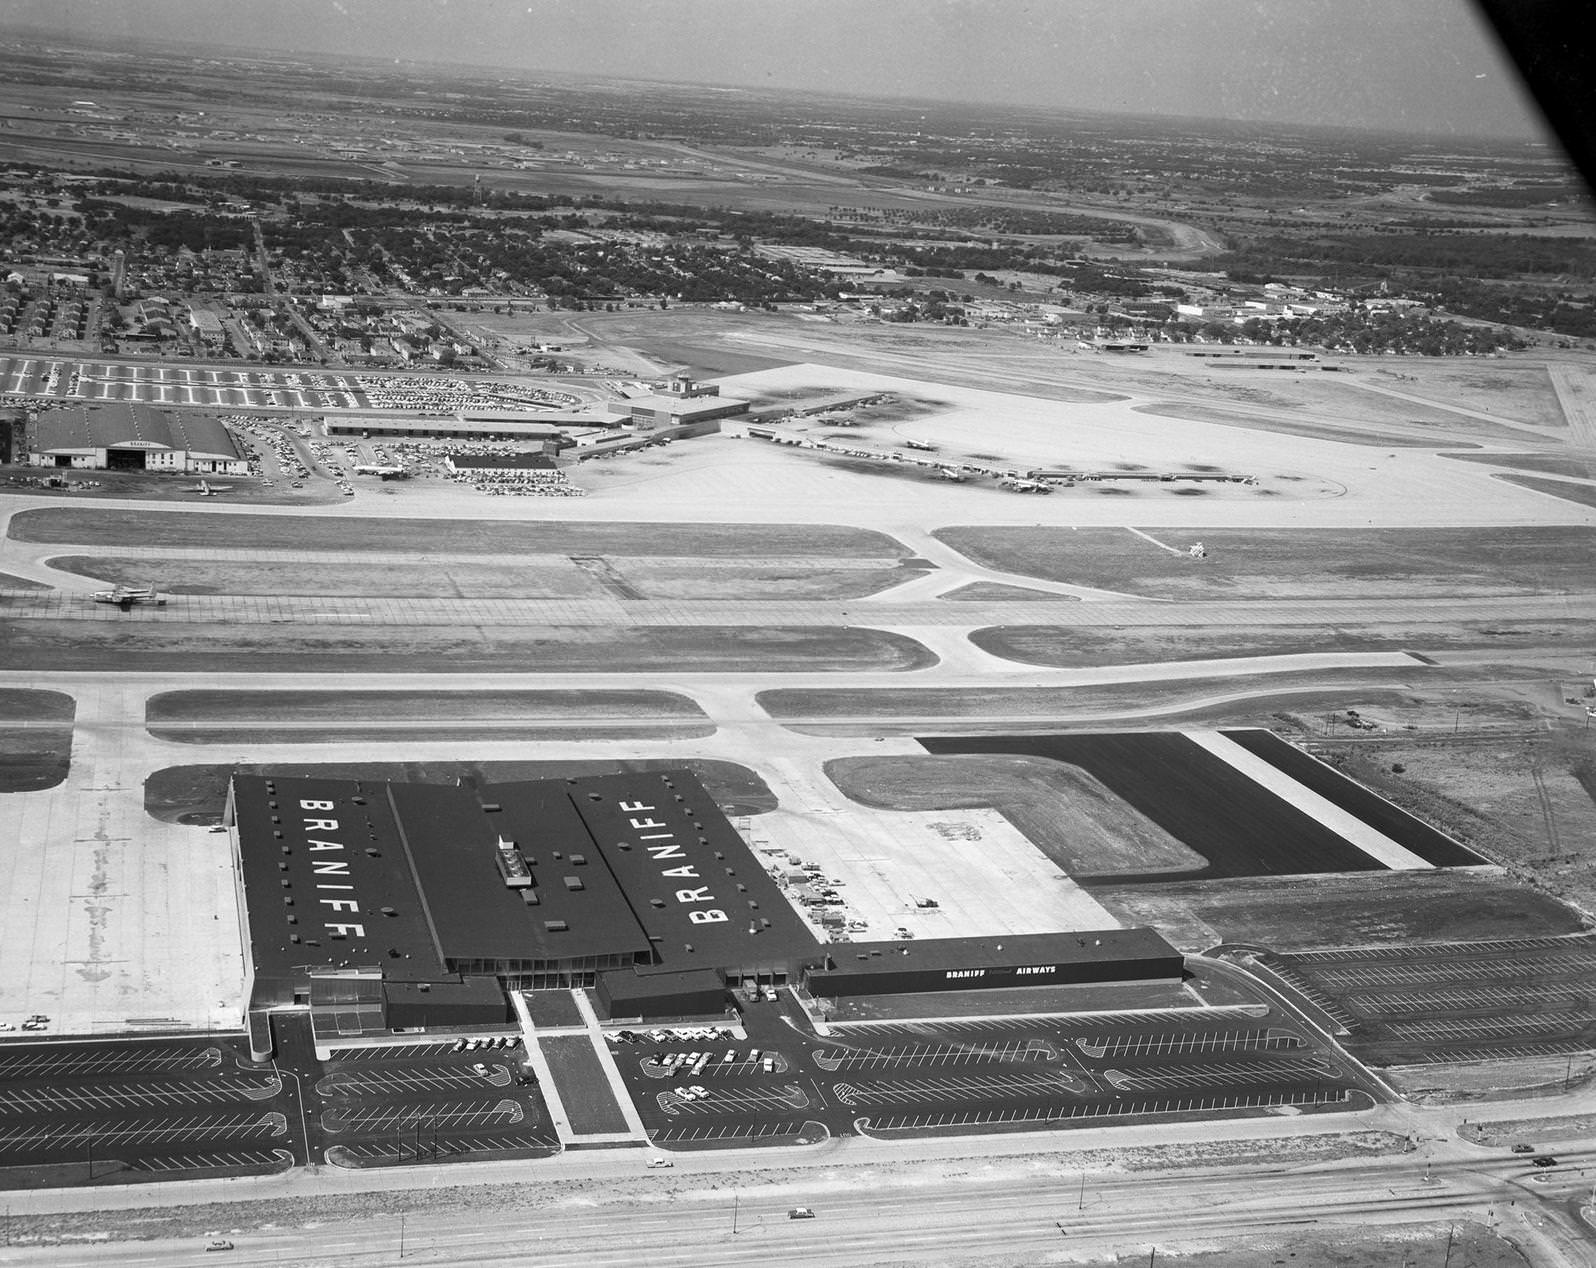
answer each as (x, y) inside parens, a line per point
(208, 490)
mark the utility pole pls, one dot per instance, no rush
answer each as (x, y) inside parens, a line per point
(1451, 1232)
(401, 1234)
(734, 1214)
(1081, 1206)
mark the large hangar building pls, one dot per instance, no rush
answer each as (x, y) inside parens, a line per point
(381, 906)
(132, 436)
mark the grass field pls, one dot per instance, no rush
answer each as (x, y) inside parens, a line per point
(97, 645)
(991, 592)
(1528, 802)
(8, 582)
(1347, 435)
(326, 717)
(34, 759)
(36, 756)
(1582, 494)
(1522, 392)
(546, 577)
(1546, 463)
(1237, 827)
(1066, 813)
(1355, 909)
(590, 1105)
(1247, 564)
(224, 531)
(1063, 646)
(196, 794)
(20, 704)
(1232, 700)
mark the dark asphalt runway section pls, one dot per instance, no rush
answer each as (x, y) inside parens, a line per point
(1241, 828)
(1408, 832)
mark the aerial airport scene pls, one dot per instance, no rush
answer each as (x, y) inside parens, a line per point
(611, 666)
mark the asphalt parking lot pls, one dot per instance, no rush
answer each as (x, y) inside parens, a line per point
(95, 382)
(892, 1077)
(1468, 1001)
(99, 1112)
(423, 1102)
(95, 1113)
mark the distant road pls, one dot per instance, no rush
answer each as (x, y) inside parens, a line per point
(938, 1218)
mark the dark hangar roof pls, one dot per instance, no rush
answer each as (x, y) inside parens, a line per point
(133, 424)
(999, 951)
(407, 876)
(294, 868)
(450, 839)
(699, 893)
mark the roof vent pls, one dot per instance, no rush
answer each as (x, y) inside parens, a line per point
(556, 926)
(491, 806)
(574, 883)
(579, 859)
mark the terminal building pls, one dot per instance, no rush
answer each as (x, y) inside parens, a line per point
(682, 402)
(131, 436)
(380, 906)
(996, 963)
(397, 906)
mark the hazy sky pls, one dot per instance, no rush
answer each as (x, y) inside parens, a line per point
(1420, 65)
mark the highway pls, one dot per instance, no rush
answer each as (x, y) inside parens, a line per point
(942, 1216)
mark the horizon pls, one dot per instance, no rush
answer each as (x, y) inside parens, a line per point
(1351, 66)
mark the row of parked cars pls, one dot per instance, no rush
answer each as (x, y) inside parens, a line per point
(491, 1041)
(694, 1062)
(679, 1035)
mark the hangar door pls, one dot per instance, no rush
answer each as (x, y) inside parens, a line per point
(124, 459)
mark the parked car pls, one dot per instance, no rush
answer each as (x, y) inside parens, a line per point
(801, 1213)
(661, 1162)
(1523, 1149)
(219, 1243)
(1545, 1160)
